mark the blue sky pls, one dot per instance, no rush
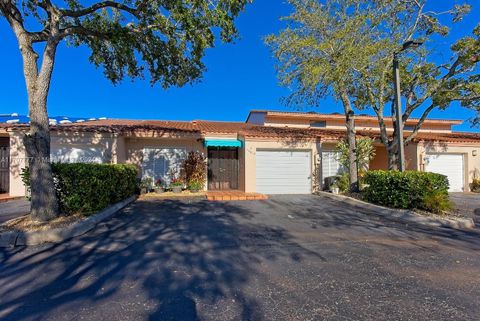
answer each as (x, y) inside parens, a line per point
(240, 77)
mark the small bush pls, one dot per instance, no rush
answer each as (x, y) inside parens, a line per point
(407, 190)
(342, 182)
(475, 186)
(437, 202)
(194, 169)
(89, 188)
(195, 185)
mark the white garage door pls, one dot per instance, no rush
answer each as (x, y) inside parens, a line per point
(283, 172)
(450, 165)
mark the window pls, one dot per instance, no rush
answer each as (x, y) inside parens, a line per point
(409, 127)
(331, 165)
(159, 162)
(318, 124)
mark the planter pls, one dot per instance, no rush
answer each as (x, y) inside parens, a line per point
(194, 190)
(335, 190)
(159, 190)
(177, 189)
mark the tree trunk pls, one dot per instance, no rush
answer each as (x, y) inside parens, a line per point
(352, 143)
(391, 157)
(44, 205)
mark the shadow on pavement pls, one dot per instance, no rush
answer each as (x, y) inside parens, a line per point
(168, 253)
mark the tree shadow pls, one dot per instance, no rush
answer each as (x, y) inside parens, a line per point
(162, 257)
(333, 214)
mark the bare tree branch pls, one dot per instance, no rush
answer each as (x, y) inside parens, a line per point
(419, 124)
(98, 6)
(79, 30)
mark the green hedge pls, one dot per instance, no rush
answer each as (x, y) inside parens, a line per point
(89, 188)
(407, 190)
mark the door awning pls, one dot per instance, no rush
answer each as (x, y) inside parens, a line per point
(223, 143)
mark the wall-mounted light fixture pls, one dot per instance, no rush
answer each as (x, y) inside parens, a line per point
(474, 152)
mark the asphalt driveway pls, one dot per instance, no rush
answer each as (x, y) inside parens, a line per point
(13, 209)
(467, 204)
(287, 258)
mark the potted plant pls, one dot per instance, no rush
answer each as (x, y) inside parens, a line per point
(146, 184)
(176, 185)
(159, 186)
(194, 186)
(335, 189)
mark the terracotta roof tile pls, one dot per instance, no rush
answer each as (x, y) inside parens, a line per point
(202, 127)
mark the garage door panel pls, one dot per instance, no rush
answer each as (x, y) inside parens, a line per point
(450, 165)
(283, 172)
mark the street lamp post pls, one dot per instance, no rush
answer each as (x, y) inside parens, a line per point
(398, 102)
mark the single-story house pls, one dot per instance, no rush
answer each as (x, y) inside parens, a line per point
(271, 153)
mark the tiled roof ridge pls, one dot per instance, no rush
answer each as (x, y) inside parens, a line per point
(313, 113)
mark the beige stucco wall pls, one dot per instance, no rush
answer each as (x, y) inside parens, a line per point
(252, 145)
(104, 143)
(121, 149)
(112, 147)
(471, 163)
(134, 146)
(360, 124)
(380, 161)
(17, 162)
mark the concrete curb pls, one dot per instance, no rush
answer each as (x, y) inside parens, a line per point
(57, 235)
(405, 215)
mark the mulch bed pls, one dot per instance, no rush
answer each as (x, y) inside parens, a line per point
(25, 223)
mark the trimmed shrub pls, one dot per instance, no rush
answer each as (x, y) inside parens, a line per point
(407, 190)
(89, 188)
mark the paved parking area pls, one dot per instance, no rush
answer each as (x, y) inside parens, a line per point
(467, 204)
(13, 209)
(286, 258)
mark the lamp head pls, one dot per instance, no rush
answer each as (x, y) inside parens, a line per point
(411, 44)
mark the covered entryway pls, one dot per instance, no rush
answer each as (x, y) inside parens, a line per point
(223, 168)
(283, 172)
(223, 164)
(450, 165)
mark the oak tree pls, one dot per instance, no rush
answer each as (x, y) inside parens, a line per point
(320, 52)
(128, 38)
(432, 77)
